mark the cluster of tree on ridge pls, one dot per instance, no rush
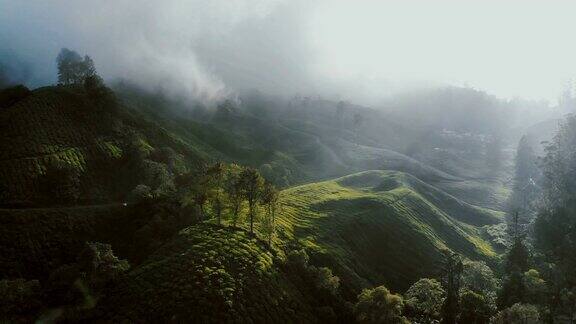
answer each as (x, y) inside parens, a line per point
(73, 69)
(221, 192)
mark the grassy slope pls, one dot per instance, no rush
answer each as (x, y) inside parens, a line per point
(211, 275)
(293, 146)
(59, 124)
(466, 178)
(379, 227)
(34, 242)
(374, 227)
(63, 125)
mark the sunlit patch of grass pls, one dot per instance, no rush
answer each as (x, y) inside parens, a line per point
(381, 225)
(212, 274)
(113, 149)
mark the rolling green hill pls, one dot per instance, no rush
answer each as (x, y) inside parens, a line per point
(208, 274)
(462, 174)
(380, 227)
(61, 137)
(105, 149)
(76, 158)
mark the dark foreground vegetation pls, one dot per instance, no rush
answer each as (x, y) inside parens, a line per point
(115, 208)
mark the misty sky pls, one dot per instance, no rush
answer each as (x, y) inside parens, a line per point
(354, 50)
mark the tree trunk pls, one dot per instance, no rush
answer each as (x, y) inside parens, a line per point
(251, 211)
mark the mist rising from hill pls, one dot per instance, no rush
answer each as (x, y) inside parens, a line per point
(340, 50)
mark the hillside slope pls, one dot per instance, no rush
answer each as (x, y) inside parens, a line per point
(208, 274)
(301, 143)
(35, 241)
(463, 174)
(380, 227)
(62, 146)
(75, 158)
(100, 151)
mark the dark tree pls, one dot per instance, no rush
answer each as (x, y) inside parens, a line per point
(216, 194)
(474, 308)
(525, 190)
(94, 86)
(559, 165)
(518, 255)
(68, 66)
(72, 68)
(555, 226)
(99, 264)
(517, 262)
(424, 300)
(233, 190)
(270, 197)
(252, 184)
(451, 279)
(518, 313)
(379, 305)
(88, 67)
(200, 189)
(512, 291)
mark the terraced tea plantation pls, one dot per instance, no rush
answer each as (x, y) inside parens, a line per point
(208, 274)
(60, 137)
(71, 165)
(379, 227)
(35, 241)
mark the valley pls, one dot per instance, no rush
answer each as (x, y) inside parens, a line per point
(356, 205)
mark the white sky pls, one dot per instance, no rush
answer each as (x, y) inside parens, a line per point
(509, 48)
(360, 50)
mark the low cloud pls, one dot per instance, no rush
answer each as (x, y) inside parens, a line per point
(360, 51)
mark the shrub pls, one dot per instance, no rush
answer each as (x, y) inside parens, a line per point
(100, 265)
(424, 299)
(75, 284)
(517, 314)
(474, 307)
(324, 279)
(535, 287)
(379, 305)
(478, 277)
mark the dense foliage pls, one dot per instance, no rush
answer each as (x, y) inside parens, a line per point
(73, 69)
(555, 225)
(379, 305)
